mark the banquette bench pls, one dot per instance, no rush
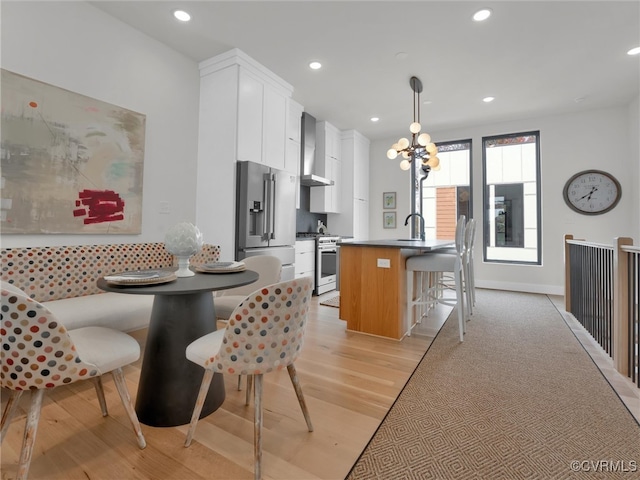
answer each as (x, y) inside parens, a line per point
(63, 278)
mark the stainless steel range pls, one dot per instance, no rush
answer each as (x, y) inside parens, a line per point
(326, 261)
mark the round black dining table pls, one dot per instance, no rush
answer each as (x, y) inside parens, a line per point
(183, 311)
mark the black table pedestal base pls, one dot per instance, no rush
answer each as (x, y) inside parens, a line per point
(169, 383)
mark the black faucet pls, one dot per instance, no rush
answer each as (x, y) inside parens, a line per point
(406, 222)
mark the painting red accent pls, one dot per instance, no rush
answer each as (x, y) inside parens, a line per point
(102, 206)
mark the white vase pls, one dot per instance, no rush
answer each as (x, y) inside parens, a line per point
(183, 240)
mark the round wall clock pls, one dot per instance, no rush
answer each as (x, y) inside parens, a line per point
(592, 192)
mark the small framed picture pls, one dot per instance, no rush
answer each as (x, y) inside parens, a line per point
(389, 200)
(389, 219)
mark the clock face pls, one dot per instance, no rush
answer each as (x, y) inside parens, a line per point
(592, 192)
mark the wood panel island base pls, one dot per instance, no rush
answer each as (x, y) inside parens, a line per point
(373, 283)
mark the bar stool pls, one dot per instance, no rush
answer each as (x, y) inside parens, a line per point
(430, 289)
(469, 274)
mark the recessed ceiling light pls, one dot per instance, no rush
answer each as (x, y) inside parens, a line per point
(401, 55)
(374, 119)
(315, 65)
(488, 99)
(634, 51)
(427, 102)
(481, 15)
(181, 15)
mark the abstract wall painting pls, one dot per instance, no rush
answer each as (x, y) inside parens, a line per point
(71, 164)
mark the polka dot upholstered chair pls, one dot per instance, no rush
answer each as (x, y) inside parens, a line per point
(264, 334)
(38, 353)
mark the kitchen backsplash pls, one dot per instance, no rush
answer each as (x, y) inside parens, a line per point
(307, 221)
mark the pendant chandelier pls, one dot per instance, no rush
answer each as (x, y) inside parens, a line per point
(419, 148)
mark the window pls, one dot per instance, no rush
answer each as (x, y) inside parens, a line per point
(512, 226)
(444, 194)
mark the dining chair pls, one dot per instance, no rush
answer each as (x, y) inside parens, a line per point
(430, 292)
(40, 354)
(469, 274)
(269, 270)
(264, 334)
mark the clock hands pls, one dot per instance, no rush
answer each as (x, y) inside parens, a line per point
(588, 195)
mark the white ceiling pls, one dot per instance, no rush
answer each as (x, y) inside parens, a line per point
(537, 58)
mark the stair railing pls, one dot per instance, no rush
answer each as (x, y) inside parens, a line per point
(602, 291)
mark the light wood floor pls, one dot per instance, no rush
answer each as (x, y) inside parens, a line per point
(349, 381)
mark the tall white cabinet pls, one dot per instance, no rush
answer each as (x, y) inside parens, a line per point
(328, 165)
(292, 157)
(243, 116)
(353, 220)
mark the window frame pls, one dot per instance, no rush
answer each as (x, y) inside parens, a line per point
(485, 199)
(416, 196)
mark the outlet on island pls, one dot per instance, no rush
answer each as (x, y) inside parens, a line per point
(384, 263)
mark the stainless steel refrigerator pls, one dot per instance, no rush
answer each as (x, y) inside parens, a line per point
(266, 214)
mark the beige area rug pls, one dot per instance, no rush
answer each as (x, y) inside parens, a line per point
(332, 302)
(519, 399)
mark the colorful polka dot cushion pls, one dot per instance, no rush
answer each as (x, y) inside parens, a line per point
(54, 273)
(265, 332)
(37, 351)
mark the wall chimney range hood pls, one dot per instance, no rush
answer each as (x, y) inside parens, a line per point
(315, 181)
(308, 178)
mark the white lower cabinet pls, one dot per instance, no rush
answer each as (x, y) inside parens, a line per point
(305, 265)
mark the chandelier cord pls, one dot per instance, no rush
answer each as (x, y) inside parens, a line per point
(416, 106)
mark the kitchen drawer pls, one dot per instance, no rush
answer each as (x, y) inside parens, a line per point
(303, 246)
(305, 261)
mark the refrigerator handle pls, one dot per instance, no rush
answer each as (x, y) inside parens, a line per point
(266, 191)
(273, 209)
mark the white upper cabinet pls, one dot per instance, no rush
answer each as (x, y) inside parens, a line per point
(250, 99)
(328, 165)
(294, 120)
(274, 121)
(353, 219)
(292, 156)
(262, 117)
(294, 124)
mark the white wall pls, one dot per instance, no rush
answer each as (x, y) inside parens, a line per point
(75, 46)
(603, 139)
(634, 156)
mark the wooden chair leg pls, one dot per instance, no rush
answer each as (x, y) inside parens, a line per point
(239, 382)
(296, 386)
(97, 383)
(9, 411)
(257, 426)
(118, 378)
(30, 432)
(197, 409)
(249, 384)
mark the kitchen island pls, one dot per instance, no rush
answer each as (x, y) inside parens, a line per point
(373, 283)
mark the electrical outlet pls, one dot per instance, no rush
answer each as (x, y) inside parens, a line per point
(384, 263)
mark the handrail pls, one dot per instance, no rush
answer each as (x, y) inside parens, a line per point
(602, 291)
(587, 244)
(630, 248)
